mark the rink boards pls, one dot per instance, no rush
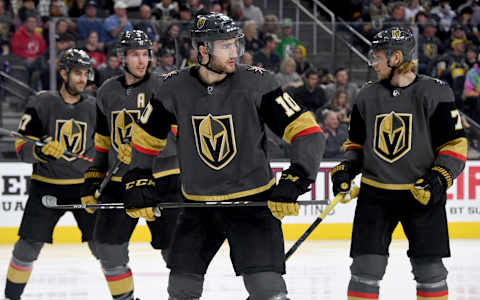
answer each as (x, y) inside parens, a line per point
(463, 207)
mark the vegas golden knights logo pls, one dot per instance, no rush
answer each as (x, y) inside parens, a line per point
(122, 125)
(393, 135)
(72, 134)
(215, 139)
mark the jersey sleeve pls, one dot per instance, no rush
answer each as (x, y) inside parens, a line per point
(166, 162)
(30, 126)
(150, 133)
(101, 138)
(296, 126)
(446, 130)
(356, 137)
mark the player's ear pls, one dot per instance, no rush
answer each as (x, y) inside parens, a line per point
(396, 58)
(64, 75)
(202, 49)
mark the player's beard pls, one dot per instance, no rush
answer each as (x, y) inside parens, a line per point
(75, 89)
(221, 65)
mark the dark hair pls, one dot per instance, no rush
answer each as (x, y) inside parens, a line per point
(340, 70)
(311, 72)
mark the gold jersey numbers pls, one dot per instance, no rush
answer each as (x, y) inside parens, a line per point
(393, 135)
(215, 139)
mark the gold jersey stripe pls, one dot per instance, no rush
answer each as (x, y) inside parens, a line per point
(229, 196)
(57, 181)
(387, 186)
(122, 286)
(18, 275)
(351, 145)
(141, 138)
(166, 173)
(303, 122)
(458, 146)
(102, 141)
(433, 298)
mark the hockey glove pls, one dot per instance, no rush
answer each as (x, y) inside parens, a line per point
(125, 153)
(342, 176)
(52, 150)
(429, 188)
(140, 194)
(292, 184)
(93, 178)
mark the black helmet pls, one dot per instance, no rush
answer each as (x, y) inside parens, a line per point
(73, 58)
(212, 27)
(134, 39)
(395, 39)
(76, 58)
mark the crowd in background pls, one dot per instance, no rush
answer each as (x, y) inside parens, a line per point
(448, 41)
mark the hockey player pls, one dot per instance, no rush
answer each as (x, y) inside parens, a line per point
(222, 110)
(120, 101)
(63, 120)
(407, 140)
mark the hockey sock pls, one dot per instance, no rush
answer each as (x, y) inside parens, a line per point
(432, 291)
(359, 289)
(120, 282)
(17, 278)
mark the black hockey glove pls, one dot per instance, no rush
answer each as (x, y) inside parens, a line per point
(93, 177)
(342, 176)
(430, 187)
(139, 195)
(292, 184)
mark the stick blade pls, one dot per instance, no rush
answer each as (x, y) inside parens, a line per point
(49, 201)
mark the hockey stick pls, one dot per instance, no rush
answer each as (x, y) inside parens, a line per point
(341, 197)
(51, 202)
(40, 143)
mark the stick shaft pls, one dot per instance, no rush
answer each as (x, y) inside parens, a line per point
(314, 225)
(41, 144)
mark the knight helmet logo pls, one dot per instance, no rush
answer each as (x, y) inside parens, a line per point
(72, 134)
(122, 125)
(393, 135)
(201, 22)
(215, 139)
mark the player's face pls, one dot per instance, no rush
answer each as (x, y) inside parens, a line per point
(78, 78)
(225, 53)
(379, 63)
(137, 61)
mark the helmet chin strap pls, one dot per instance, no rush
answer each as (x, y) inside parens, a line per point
(207, 65)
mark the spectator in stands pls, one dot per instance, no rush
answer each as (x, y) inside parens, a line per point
(145, 22)
(94, 49)
(287, 40)
(77, 8)
(429, 47)
(464, 20)
(185, 18)
(252, 12)
(471, 94)
(196, 7)
(27, 43)
(6, 23)
(165, 11)
(236, 13)
(90, 22)
(335, 135)
(421, 19)
(116, 23)
(190, 60)
(472, 55)
(397, 17)
(341, 84)
(27, 9)
(303, 66)
(341, 106)
(270, 26)
(413, 7)
(310, 95)
(110, 69)
(215, 7)
(377, 12)
(166, 61)
(287, 77)
(252, 42)
(267, 57)
(168, 39)
(44, 7)
(445, 14)
(457, 33)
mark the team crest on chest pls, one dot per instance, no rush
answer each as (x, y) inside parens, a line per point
(71, 134)
(393, 135)
(215, 139)
(122, 125)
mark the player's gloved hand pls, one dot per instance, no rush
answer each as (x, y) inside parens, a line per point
(342, 176)
(125, 153)
(52, 150)
(429, 188)
(139, 195)
(93, 177)
(292, 184)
